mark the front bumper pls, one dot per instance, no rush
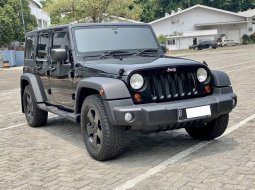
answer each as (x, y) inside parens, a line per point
(166, 113)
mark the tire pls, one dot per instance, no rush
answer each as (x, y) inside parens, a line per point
(211, 130)
(102, 140)
(35, 117)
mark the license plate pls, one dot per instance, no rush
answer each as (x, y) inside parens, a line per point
(197, 112)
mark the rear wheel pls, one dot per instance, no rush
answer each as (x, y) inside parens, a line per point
(35, 117)
(102, 140)
(211, 130)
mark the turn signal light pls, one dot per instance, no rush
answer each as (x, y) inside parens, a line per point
(208, 89)
(137, 98)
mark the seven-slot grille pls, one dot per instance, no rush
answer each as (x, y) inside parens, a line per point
(163, 86)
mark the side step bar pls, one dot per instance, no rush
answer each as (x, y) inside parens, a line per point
(67, 115)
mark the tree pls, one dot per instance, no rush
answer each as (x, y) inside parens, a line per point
(162, 39)
(11, 26)
(66, 11)
(154, 9)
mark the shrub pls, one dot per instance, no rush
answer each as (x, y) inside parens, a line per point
(246, 39)
(162, 39)
(252, 37)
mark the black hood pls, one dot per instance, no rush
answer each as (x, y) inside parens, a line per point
(113, 66)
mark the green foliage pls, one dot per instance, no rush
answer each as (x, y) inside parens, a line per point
(246, 39)
(11, 27)
(162, 39)
(66, 11)
(252, 37)
(154, 9)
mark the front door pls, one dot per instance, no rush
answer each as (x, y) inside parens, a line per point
(60, 73)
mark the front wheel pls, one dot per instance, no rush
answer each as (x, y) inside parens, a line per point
(211, 130)
(103, 141)
(35, 117)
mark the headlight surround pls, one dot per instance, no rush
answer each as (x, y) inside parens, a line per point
(202, 75)
(136, 81)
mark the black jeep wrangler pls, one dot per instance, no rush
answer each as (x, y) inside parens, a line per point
(115, 77)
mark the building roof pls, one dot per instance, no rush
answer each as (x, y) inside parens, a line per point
(194, 7)
(248, 13)
(37, 2)
(220, 23)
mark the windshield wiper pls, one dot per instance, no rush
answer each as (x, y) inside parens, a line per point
(115, 54)
(147, 52)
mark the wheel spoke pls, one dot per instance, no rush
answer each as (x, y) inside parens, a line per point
(94, 140)
(99, 134)
(90, 117)
(96, 119)
(90, 129)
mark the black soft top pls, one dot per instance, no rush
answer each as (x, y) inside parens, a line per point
(84, 24)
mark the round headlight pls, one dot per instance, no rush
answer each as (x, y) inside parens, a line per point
(136, 81)
(201, 75)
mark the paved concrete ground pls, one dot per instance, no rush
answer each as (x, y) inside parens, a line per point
(54, 157)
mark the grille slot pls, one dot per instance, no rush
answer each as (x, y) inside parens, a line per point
(173, 85)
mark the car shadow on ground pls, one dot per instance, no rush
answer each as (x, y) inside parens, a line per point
(140, 146)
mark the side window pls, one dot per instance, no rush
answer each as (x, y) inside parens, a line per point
(30, 47)
(43, 46)
(60, 41)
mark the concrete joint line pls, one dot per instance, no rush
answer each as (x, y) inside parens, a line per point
(172, 160)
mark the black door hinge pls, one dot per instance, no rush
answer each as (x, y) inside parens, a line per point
(121, 72)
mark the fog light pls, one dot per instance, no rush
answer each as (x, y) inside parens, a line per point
(128, 117)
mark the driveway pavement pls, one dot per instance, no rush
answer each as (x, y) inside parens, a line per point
(54, 157)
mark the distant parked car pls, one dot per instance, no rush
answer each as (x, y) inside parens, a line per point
(205, 45)
(228, 43)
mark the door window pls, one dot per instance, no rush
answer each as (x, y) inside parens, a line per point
(30, 47)
(42, 46)
(60, 40)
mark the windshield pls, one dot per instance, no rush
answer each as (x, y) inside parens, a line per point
(110, 38)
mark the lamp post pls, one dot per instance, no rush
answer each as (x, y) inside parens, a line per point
(22, 17)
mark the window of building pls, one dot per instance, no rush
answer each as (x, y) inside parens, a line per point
(171, 42)
(253, 21)
(42, 47)
(30, 47)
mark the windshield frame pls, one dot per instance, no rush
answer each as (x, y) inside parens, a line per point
(73, 29)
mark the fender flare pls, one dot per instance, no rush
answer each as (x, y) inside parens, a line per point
(220, 79)
(113, 89)
(33, 82)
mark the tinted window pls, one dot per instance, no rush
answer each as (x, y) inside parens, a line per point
(114, 38)
(42, 46)
(30, 47)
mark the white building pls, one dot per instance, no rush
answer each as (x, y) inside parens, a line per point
(43, 19)
(199, 23)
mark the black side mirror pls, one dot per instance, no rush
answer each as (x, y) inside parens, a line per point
(58, 55)
(164, 49)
